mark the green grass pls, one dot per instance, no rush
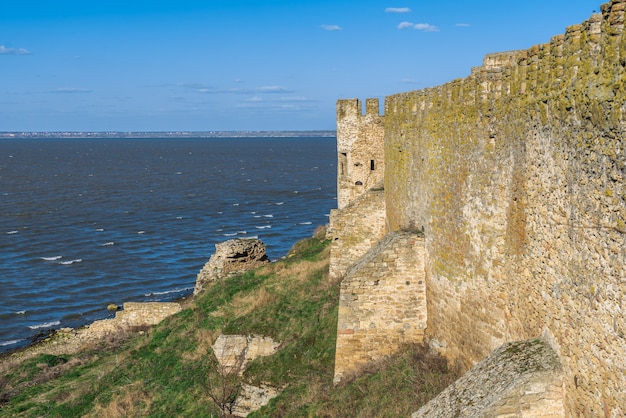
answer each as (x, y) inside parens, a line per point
(168, 370)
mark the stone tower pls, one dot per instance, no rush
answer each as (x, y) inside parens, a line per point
(360, 149)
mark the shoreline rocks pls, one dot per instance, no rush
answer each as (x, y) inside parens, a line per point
(134, 317)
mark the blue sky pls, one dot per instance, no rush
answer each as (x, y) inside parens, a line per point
(197, 65)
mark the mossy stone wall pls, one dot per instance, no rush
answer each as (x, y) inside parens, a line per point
(516, 175)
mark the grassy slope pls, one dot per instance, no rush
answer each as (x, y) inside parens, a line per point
(166, 371)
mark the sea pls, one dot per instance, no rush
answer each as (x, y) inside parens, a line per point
(85, 223)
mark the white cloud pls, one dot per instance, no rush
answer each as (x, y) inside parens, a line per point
(71, 90)
(424, 27)
(299, 99)
(13, 51)
(272, 89)
(397, 10)
(331, 27)
(463, 25)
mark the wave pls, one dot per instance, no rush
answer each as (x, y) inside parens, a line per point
(242, 232)
(99, 229)
(230, 235)
(141, 232)
(264, 227)
(12, 232)
(45, 325)
(305, 223)
(20, 312)
(54, 258)
(268, 216)
(107, 244)
(10, 342)
(167, 292)
(280, 203)
(67, 263)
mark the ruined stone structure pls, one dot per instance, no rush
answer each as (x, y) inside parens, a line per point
(231, 257)
(515, 175)
(134, 316)
(233, 354)
(519, 379)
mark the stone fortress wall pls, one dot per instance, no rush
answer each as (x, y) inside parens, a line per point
(515, 177)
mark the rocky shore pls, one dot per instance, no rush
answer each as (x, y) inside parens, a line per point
(231, 257)
(233, 352)
(135, 317)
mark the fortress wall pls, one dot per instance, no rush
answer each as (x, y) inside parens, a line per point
(516, 174)
(382, 303)
(355, 229)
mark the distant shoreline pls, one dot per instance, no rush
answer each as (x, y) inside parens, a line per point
(169, 134)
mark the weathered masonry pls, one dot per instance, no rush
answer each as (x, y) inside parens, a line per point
(360, 149)
(509, 185)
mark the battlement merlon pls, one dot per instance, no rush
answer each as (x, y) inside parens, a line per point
(348, 108)
(372, 107)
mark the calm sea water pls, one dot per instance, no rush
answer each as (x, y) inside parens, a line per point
(85, 223)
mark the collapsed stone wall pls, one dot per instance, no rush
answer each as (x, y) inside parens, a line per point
(134, 315)
(516, 175)
(519, 379)
(231, 257)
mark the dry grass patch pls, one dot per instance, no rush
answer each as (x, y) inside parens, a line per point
(299, 272)
(243, 304)
(205, 338)
(130, 401)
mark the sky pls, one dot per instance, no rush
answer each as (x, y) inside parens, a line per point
(234, 65)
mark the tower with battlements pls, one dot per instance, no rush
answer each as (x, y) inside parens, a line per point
(360, 139)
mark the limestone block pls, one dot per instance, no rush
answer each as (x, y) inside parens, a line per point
(134, 315)
(232, 257)
(234, 352)
(252, 398)
(138, 314)
(519, 379)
